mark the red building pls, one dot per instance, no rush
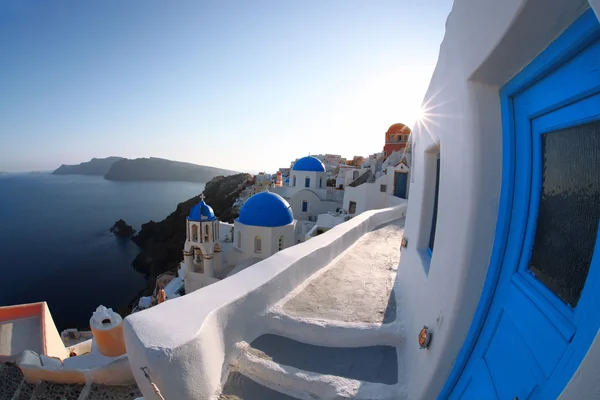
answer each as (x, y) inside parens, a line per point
(396, 138)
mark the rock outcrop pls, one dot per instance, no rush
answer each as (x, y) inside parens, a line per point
(161, 243)
(96, 166)
(122, 229)
(159, 169)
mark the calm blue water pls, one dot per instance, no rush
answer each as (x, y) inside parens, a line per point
(55, 243)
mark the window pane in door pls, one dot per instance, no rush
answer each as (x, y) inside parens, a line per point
(569, 210)
(435, 205)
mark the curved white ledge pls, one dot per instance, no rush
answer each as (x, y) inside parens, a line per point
(187, 342)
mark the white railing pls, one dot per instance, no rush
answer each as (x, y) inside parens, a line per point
(188, 343)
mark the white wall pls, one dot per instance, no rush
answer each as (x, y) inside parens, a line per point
(334, 195)
(225, 231)
(188, 357)
(194, 281)
(367, 196)
(349, 174)
(443, 292)
(316, 205)
(269, 239)
(314, 179)
(390, 176)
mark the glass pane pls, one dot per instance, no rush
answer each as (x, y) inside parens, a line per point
(435, 205)
(569, 210)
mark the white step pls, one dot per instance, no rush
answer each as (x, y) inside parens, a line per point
(332, 333)
(307, 385)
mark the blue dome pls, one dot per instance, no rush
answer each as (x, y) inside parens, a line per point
(309, 164)
(266, 209)
(202, 212)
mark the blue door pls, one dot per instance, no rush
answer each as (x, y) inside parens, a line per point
(400, 181)
(544, 309)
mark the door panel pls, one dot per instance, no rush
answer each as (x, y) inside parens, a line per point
(400, 181)
(514, 371)
(544, 309)
(539, 333)
(481, 386)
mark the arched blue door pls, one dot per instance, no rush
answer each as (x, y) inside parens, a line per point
(544, 311)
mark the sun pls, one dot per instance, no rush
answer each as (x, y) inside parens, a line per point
(420, 114)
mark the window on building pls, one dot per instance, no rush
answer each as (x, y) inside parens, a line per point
(320, 182)
(239, 239)
(206, 233)
(383, 188)
(281, 242)
(194, 233)
(352, 208)
(354, 175)
(304, 206)
(294, 180)
(435, 205)
(257, 244)
(392, 138)
(307, 182)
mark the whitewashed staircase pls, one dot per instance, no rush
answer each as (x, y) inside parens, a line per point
(14, 387)
(257, 375)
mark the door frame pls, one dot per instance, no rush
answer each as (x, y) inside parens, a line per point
(405, 186)
(584, 31)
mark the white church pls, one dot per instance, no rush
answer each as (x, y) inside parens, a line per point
(307, 190)
(214, 250)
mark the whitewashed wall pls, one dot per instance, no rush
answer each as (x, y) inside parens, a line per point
(367, 196)
(442, 292)
(390, 176)
(349, 174)
(314, 179)
(316, 205)
(187, 357)
(225, 231)
(269, 239)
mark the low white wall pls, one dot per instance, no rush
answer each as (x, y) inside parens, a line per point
(88, 368)
(187, 343)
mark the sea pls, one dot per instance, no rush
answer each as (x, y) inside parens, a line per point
(55, 243)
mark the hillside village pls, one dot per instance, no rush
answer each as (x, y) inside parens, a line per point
(461, 262)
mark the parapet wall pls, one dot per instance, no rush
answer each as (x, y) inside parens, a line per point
(187, 343)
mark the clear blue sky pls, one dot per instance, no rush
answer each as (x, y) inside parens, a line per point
(246, 85)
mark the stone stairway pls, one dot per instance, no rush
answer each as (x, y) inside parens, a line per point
(14, 387)
(338, 336)
(275, 367)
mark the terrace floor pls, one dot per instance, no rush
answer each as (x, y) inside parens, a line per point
(357, 285)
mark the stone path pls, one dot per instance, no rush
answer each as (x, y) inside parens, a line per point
(357, 286)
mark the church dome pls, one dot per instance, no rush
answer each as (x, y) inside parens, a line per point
(398, 128)
(266, 209)
(202, 212)
(309, 163)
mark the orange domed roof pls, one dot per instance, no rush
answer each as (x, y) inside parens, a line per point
(398, 127)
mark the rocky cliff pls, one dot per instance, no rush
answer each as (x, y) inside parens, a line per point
(159, 169)
(161, 243)
(96, 166)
